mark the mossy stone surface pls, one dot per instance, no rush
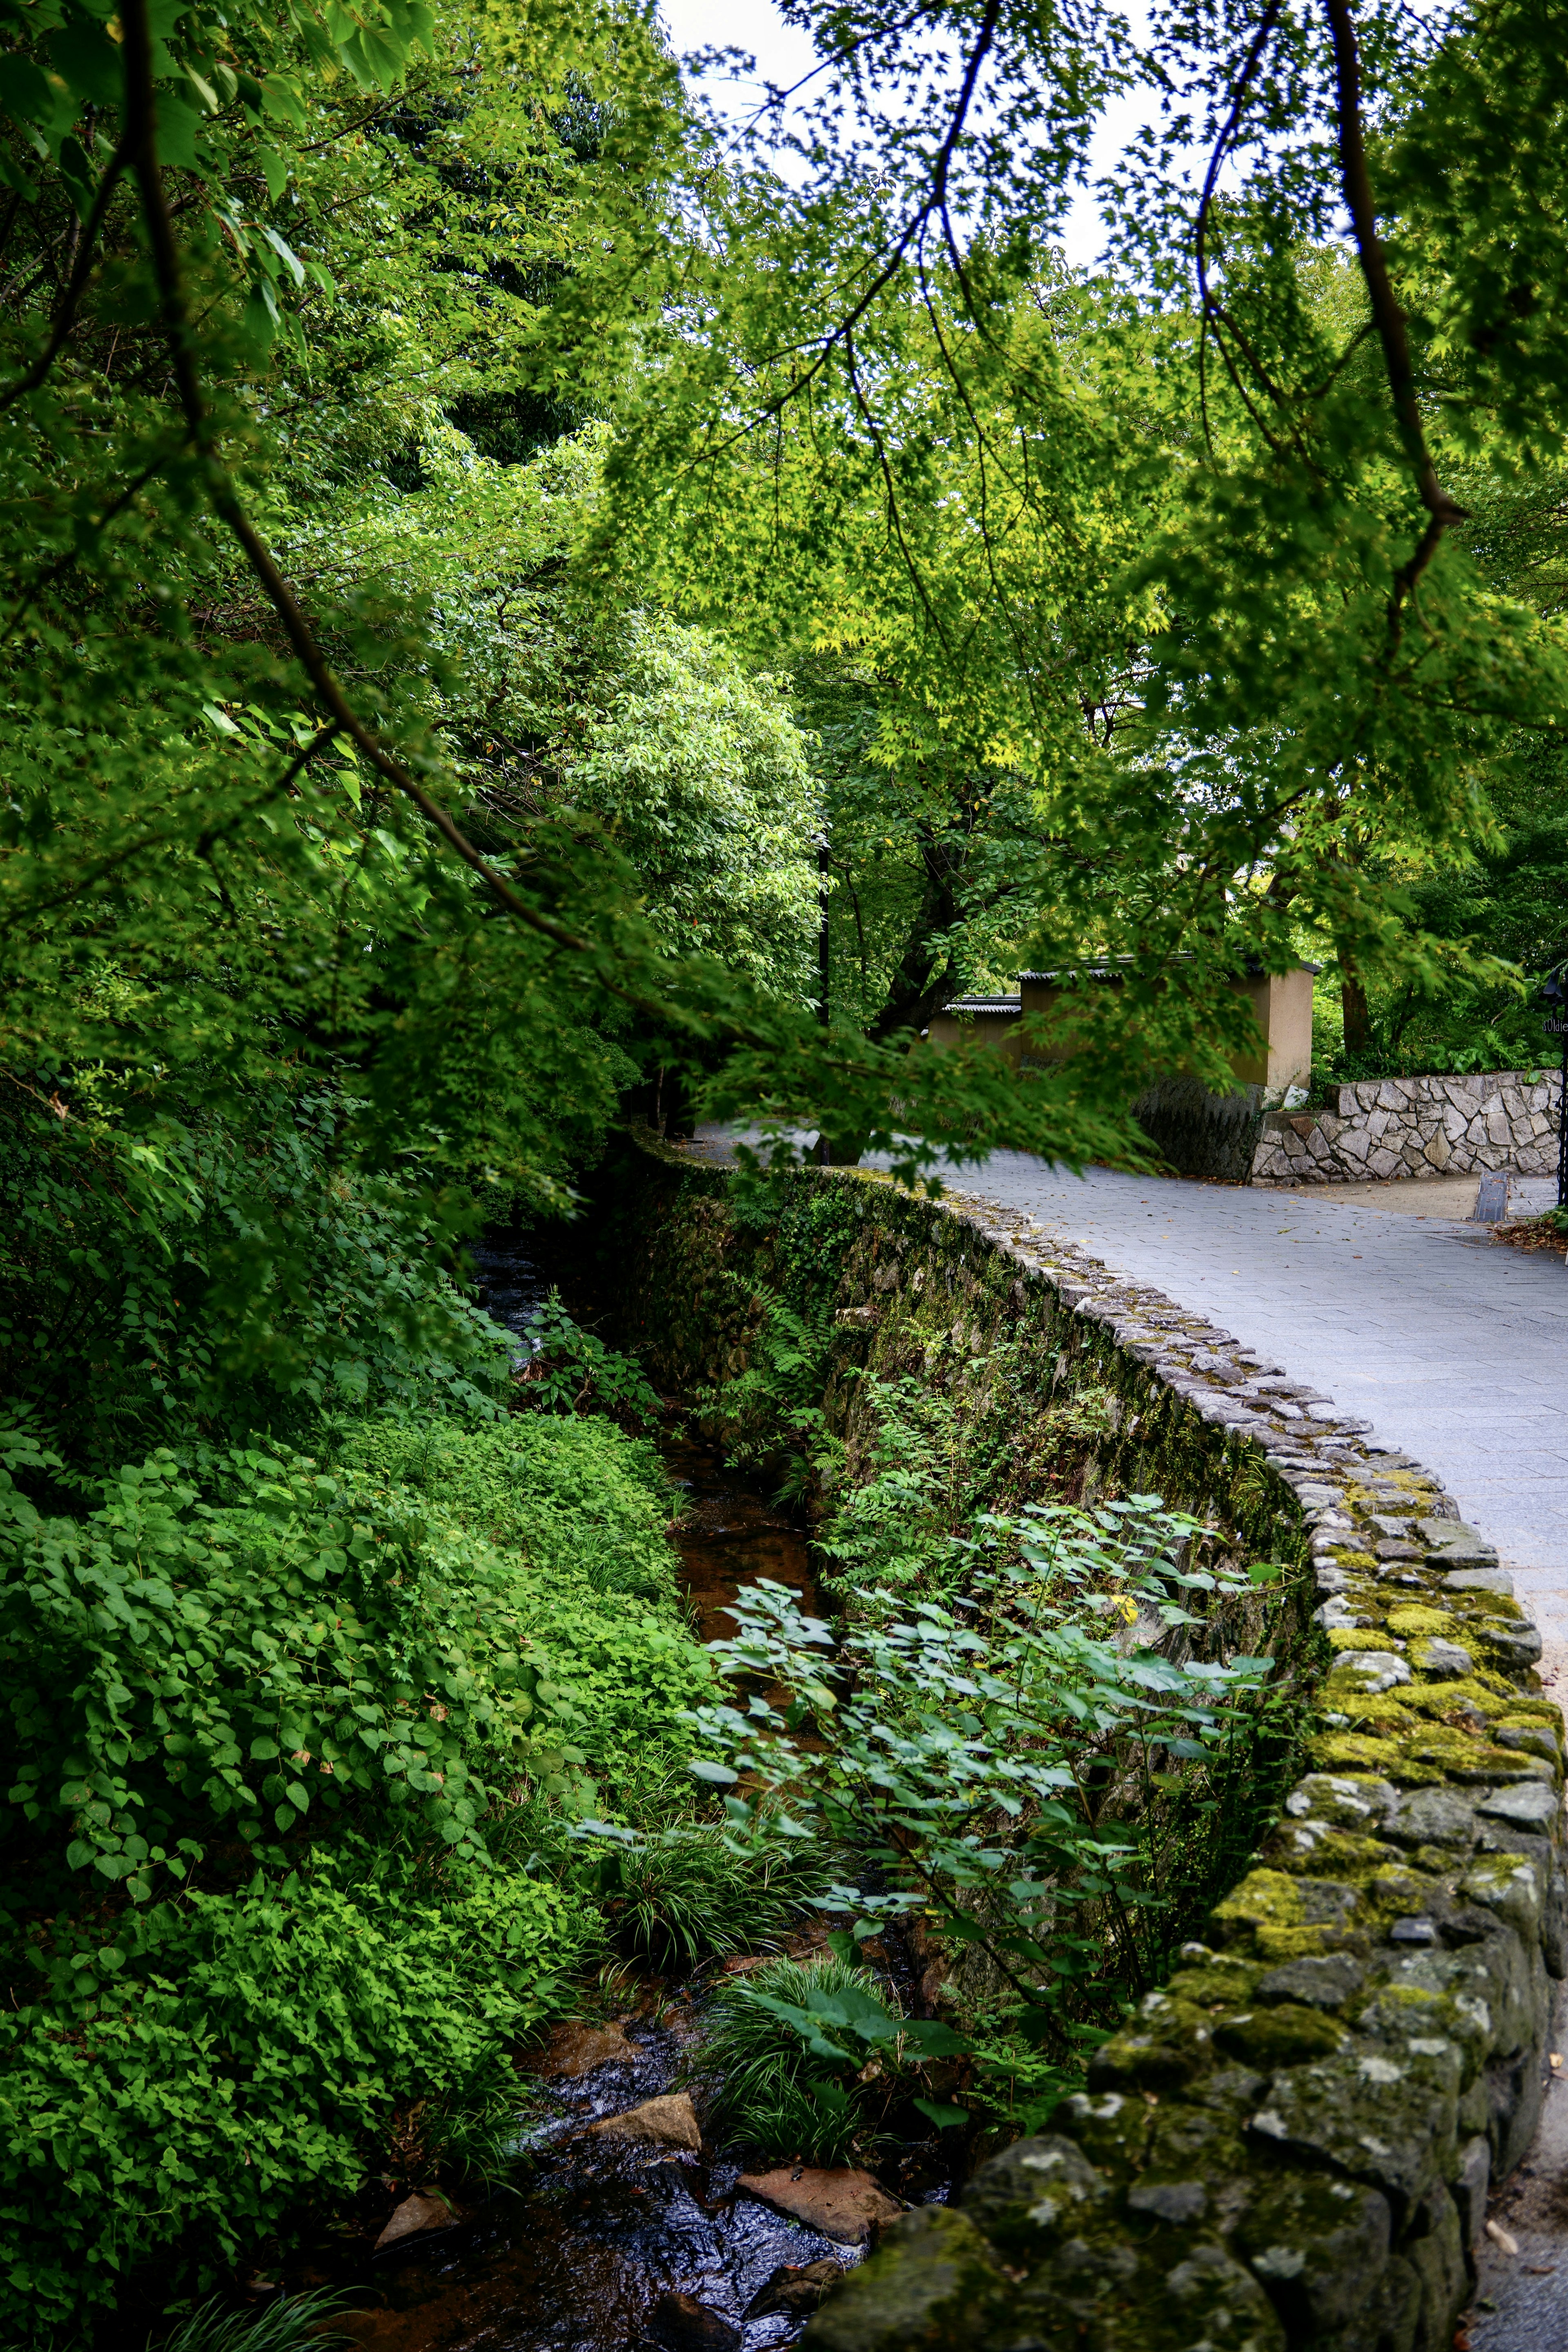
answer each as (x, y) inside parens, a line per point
(1319, 2244)
(933, 2285)
(1034, 2193)
(1283, 2035)
(1374, 2116)
(1099, 2295)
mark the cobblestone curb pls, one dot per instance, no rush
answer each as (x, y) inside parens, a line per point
(1289, 2149)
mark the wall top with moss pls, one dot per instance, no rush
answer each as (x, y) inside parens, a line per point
(1290, 2146)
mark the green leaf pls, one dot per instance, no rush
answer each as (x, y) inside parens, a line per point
(945, 2118)
(932, 2039)
(179, 127)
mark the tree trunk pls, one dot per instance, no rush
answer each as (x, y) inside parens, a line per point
(1358, 1020)
(912, 996)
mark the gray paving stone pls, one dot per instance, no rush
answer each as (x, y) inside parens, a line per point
(1451, 1344)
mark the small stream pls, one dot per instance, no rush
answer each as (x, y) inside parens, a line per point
(603, 2248)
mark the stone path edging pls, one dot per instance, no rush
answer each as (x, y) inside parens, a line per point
(1270, 2157)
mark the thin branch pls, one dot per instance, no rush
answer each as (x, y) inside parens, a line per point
(81, 270)
(105, 866)
(1389, 318)
(139, 141)
(72, 555)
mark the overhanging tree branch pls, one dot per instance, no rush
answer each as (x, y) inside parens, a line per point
(1355, 182)
(140, 142)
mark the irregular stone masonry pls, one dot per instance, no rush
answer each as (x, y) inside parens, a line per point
(1391, 1129)
(1288, 2150)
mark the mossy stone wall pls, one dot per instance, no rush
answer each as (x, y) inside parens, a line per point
(1289, 2148)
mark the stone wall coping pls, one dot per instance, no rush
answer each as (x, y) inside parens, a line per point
(1288, 2148)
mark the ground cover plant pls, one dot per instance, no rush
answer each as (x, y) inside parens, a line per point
(774, 2092)
(294, 1753)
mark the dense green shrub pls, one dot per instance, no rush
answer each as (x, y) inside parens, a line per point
(578, 1499)
(294, 1757)
(216, 2062)
(169, 1277)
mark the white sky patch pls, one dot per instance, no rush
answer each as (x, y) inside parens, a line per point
(784, 56)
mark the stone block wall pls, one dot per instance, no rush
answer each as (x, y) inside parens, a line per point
(1389, 1130)
(1288, 2148)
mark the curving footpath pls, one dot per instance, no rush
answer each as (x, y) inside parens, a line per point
(1454, 1345)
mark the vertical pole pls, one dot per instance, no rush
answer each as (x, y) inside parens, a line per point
(1563, 1120)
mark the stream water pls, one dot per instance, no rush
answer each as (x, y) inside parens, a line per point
(603, 2248)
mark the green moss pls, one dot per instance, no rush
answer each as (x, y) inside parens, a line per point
(931, 2287)
(1341, 1854)
(1218, 1984)
(1287, 2035)
(1413, 1618)
(1488, 1696)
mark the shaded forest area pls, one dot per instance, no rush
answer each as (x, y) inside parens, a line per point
(524, 604)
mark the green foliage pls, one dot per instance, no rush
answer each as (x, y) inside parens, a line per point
(570, 1369)
(699, 774)
(172, 1665)
(294, 2323)
(174, 1281)
(903, 1521)
(777, 2083)
(684, 1893)
(293, 1764)
(971, 1750)
(188, 2082)
(586, 1505)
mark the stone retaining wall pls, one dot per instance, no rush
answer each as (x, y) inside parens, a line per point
(1390, 1128)
(1288, 2148)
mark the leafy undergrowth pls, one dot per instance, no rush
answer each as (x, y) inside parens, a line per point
(298, 1759)
(772, 2090)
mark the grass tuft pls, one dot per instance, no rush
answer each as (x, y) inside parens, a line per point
(765, 2089)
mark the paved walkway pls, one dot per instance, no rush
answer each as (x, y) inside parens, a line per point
(1452, 1344)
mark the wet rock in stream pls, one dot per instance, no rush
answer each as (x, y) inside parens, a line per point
(576, 2049)
(670, 2122)
(679, 2323)
(848, 2207)
(795, 2290)
(415, 2217)
(606, 2234)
